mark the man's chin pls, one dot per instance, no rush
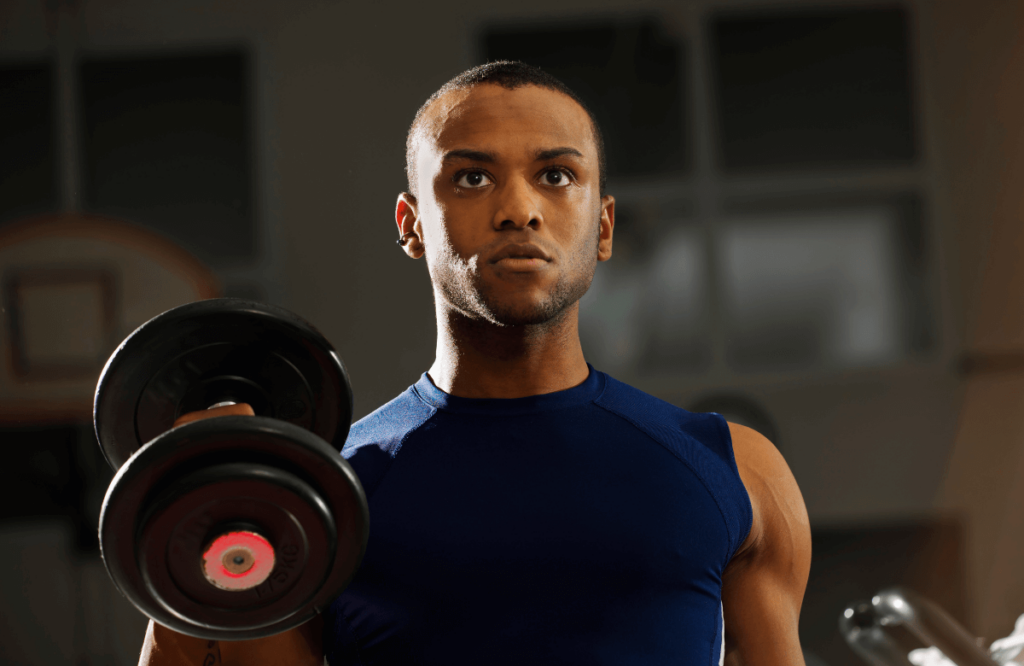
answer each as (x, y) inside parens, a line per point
(523, 314)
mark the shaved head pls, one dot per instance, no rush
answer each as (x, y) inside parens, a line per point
(505, 73)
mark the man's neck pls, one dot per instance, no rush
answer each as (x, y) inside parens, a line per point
(479, 359)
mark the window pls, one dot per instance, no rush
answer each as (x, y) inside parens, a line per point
(817, 288)
(28, 164)
(809, 89)
(771, 215)
(647, 307)
(166, 144)
(630, 73)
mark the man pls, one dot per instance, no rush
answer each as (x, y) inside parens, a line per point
(526, 508)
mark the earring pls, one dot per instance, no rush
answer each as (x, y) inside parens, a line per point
(406, 237)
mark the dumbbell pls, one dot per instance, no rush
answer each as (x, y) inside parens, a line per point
(233, 527)
(897, 623)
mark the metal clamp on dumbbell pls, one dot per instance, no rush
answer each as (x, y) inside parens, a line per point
(233, 527)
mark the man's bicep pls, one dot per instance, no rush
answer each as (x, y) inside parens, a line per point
(762, 614)
(763, 587)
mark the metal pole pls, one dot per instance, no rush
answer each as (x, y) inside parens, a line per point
(62, 19)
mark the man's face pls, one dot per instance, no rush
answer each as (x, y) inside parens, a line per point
(509, 208)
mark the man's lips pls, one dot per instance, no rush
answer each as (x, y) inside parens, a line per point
(525, 254)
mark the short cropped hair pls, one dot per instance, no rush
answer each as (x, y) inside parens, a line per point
(509, 74)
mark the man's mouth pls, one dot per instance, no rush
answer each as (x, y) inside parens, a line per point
(521, 263)
(520, 255)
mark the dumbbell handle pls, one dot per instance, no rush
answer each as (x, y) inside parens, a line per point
(223, 409)
(867, 629)
(932, 625)
(241, 559)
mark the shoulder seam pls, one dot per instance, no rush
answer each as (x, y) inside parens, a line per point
(723, 424)
(401, 443)
(703, 482)
(416, 391)
(398, 449)
(407, 435)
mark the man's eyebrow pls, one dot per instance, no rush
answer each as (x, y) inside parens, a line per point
(467, 154)
(490, 158)
(552, 153)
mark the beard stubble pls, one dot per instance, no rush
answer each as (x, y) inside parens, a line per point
(458, 282)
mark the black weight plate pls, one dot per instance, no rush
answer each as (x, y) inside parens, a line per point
(201, 506)
(196, 355)
(148, 482)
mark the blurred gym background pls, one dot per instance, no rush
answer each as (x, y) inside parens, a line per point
(818, 235)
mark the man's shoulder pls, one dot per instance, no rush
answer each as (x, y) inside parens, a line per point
(702, 441)
(667, 422)
(374, 440)
(388, 425)
(777, 503)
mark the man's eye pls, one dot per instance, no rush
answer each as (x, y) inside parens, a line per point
(556, 178)
(472, 179)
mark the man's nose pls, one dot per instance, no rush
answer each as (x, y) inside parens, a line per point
(518, 206)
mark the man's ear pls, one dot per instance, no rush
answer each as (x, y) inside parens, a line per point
(604, 244)
(409, 228)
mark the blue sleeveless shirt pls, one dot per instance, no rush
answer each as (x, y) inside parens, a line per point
(587, 526)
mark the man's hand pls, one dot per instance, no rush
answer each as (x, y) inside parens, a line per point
(301, 646)
(240, 409)
(763, 586)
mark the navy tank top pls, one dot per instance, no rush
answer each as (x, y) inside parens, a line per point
(587, 526)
